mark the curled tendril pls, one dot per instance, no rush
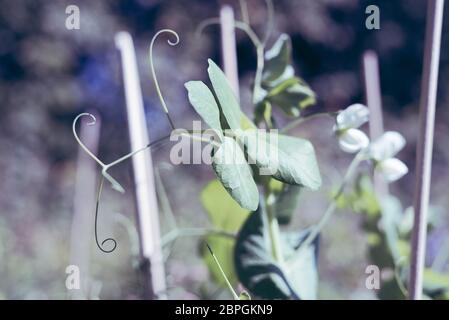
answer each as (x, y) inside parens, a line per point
(104, 166)
(153, 72)
(91, 123)
(106, 175)
(97, 207)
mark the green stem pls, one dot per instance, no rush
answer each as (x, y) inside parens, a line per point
(194, 232)
(273, 230)
(258, 78)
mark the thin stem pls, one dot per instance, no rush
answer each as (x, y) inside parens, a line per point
(194, 232)
(153, 72)
(298, 121)
(332, 206)
(257, 95)
(249, 32)
(200, 138)
(129, 155)
(106, 167)
(273, 230)
(234, 294)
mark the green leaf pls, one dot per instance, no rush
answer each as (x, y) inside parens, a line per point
(203, 101)
(235, 174)
(288, 159)
(226, 97)
(292, 95)
(262, 275)
(225, 214)
(282, 88)
(277, 58)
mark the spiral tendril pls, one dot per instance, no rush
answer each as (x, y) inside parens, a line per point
(97, 207)
(153, 72)
(75, 134)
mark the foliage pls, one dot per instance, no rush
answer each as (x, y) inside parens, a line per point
(261, 172)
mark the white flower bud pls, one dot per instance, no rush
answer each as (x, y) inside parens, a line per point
(387, 146)
(352, 140)
(392, 169)
(352, 117)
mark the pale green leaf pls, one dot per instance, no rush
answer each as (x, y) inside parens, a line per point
(226, 97)
(203, 101)
(277, 58)
(288, 159)
(235, 174)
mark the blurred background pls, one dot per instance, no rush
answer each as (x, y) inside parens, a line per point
(49, 74)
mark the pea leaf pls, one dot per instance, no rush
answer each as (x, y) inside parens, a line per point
(235, 174)
(281, 87)
(262, 275)
(288, 159)
(292, 95)
(226, 97)
(277, 58)
(203, 101)
(225, 214)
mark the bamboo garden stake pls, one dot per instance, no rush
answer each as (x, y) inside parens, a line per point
(425, 144)
(374, 103)
(228, 47)
(147, 208)
(84, 201)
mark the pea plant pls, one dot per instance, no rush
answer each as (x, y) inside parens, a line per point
(261, 169)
